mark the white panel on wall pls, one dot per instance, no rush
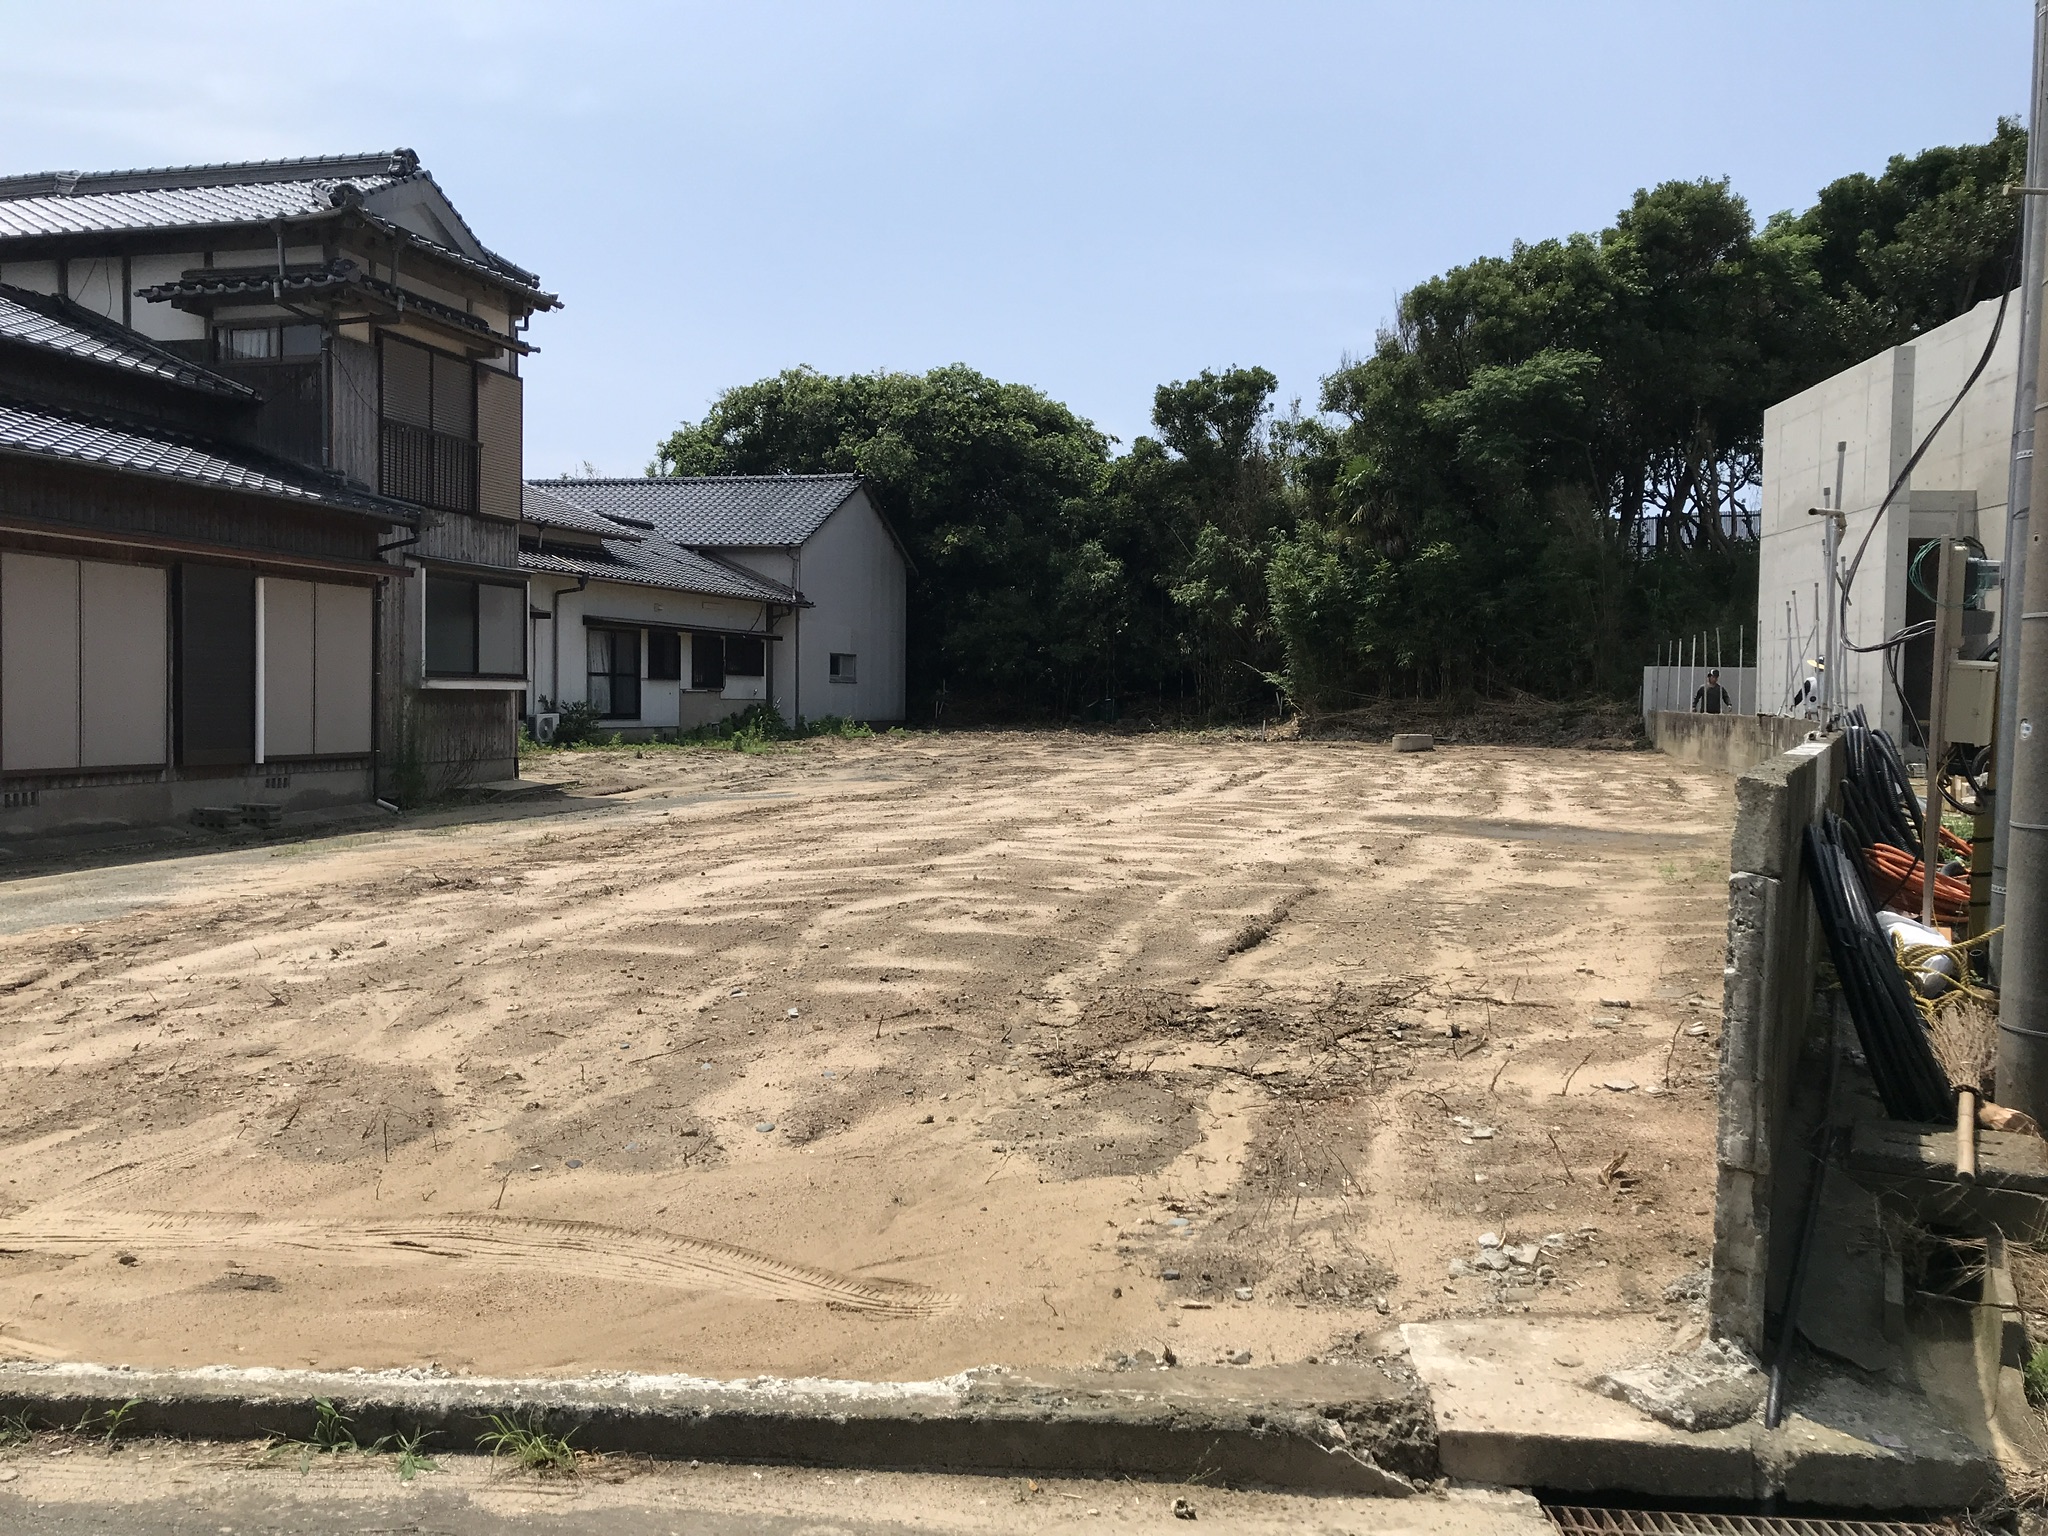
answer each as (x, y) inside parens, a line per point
(35, 276)
(95, 283)
(160, 322)
(38, 662)
(287, 668)
(123, 640)
(341, 668)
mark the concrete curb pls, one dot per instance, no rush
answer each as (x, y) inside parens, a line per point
(1331, 1429)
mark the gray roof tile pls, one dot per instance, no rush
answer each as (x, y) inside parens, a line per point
(656, 563)
(171, 207)
(58, 325)
(717, 511)
(545, 509)
(248, 192)
(42, 433)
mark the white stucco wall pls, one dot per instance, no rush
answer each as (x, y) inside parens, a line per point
(662, 704)
(1880, 408)
(855, 578)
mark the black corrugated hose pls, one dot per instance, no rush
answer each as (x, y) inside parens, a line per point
(1888, 1025)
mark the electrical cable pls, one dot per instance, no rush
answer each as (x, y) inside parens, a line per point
(1905, 474)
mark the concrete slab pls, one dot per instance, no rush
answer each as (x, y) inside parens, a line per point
(1322, 1428)
(158, 1488)
(1515, 1405)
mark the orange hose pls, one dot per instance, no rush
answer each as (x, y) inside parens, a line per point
(1904, 876)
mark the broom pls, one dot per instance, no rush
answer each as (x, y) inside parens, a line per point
(1964, 1036)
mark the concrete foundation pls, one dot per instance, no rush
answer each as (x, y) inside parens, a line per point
(1732, 743)
(85, 802)
(1341, 1429)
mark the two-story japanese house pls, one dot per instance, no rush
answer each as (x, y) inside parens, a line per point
(260, 476)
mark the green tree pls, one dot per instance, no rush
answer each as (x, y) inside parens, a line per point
(990, 487)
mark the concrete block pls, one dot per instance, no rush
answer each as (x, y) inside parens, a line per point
(1855, 1445)
(1515, 1405)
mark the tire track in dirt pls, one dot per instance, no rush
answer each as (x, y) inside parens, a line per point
(585, 1248)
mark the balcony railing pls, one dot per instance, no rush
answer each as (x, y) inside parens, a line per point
(431, 468)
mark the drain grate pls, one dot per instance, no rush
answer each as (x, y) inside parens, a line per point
(1578, 1520)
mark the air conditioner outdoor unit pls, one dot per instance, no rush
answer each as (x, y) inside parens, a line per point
(544, 723)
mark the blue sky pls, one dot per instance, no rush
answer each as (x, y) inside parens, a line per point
(1091, 198)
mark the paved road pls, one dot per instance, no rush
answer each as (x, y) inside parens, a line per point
(163, 1489)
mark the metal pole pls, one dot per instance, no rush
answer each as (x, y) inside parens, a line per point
(1948, 625)
(2023, 796)
(2020, 485)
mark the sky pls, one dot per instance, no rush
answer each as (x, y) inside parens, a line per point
(1091, 198)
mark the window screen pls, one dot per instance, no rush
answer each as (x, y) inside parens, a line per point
(664, 655)
(745, 656)
(842, 667)
(475, 628)
(501, 630)
(216, 668)
(408, 383)
(451, 626)
(707, 661)
(454, 396)
(614, 682)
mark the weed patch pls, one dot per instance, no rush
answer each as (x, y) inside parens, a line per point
(527, 1446)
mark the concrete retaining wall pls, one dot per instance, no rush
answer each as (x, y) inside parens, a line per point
(1773, 1039)
(146, 798)
(1733, 743)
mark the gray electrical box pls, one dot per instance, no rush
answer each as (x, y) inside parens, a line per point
(1972, 702)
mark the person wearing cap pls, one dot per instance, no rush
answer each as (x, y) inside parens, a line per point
(1710, 698)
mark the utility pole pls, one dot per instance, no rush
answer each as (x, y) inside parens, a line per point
(2023, 794)
(2019, 492)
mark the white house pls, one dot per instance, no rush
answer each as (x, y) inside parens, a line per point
(676, 601)
(1872, 416)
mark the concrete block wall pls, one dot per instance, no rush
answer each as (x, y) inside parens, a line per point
(1773, 1039)
(1732, 743)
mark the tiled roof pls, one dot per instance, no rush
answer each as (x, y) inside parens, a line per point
(718, 511)
(341, 276)
(89, 210)
(38, 432)
(250, 192)
(656, 563)
(545, 509)
(58, 325)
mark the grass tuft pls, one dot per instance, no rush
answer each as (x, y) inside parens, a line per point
(2035, 1372)
(528, 1446)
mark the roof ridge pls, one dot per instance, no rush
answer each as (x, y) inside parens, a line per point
(846, 474)
(226, 173)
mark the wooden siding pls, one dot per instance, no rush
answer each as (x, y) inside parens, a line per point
(468, 540)
(68, 497)
(353, 391)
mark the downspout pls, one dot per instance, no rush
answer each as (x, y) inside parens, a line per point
(796, 665)
(555, 637)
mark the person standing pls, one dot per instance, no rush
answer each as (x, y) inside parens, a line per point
(1710, 698)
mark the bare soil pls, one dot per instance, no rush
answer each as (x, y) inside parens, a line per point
(877, 1058)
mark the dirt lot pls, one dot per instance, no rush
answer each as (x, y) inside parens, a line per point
(877, 1059)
